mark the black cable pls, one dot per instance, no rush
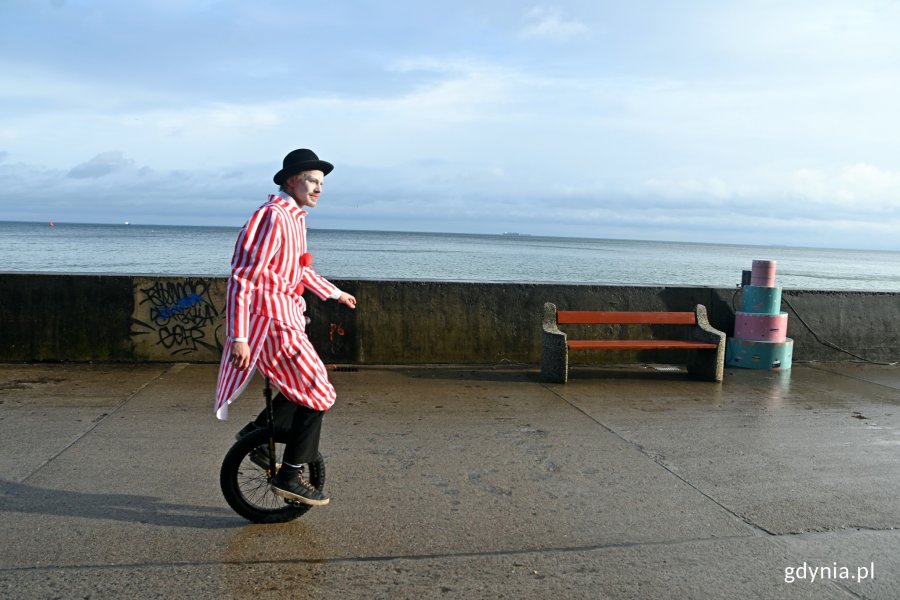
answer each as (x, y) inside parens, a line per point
(829, 344)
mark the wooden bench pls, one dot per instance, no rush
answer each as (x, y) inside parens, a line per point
(706, 345)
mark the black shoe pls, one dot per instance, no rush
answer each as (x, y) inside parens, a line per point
(259, 456)
(297, 488)
(248, 428)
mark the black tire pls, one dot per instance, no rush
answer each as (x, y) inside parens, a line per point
(245, 484)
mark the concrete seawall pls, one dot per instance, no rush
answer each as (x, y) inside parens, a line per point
(124, 318)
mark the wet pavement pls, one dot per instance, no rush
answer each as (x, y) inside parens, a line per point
(462, 482)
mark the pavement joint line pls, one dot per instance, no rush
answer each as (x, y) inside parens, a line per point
(869, 381)
(755, 527)
(386, 558)
(171, 369)
(848, 531)
(779, 539)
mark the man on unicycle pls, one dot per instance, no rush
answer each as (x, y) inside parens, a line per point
(266, 325)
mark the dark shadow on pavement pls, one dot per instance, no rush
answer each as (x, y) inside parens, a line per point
(629, 374)
(527, 374)
(474, 373)
(24, 498)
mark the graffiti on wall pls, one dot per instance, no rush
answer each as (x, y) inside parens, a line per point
(179, 315)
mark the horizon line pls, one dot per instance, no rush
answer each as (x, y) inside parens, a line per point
(505, 235)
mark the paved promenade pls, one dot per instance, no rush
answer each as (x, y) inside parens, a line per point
(459, 482)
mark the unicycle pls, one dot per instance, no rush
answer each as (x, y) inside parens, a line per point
(249, 466)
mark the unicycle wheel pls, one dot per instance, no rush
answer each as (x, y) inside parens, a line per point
(245, 483)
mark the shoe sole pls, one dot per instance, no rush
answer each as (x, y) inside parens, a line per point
(298, 498)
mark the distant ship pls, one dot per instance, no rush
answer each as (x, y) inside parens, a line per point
(516, 234)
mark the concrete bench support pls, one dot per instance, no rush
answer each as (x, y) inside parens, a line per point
(554, 351)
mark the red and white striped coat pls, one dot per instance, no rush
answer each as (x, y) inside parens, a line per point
(269, 271)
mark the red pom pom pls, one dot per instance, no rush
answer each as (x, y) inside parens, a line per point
(306, 259)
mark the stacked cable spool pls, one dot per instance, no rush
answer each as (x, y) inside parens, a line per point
(760, 328)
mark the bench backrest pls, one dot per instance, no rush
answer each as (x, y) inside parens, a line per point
(584, 317)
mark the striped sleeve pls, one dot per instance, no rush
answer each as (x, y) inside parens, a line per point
(319, 286)
(257, 243)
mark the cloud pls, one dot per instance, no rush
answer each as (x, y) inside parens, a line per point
(100, 166)
(547, 22)
(112, 187)
(854, 187)
(429, 195)
(705, 118)
(713, 187)
(829, 35)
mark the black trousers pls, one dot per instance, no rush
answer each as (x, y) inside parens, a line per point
(303, 426)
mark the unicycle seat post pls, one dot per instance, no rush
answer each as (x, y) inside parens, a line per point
(270, 422)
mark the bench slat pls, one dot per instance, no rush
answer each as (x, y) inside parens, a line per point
(584, 317)
(636, 344)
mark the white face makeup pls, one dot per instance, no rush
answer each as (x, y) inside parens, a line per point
(305, 187)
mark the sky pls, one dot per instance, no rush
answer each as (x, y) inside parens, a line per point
(752, 122)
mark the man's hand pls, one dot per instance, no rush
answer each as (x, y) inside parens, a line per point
(240, 355)
(347, 299)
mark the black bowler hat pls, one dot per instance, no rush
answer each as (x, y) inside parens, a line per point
(301, 160)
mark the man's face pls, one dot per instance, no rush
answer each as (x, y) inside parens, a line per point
(305, 187)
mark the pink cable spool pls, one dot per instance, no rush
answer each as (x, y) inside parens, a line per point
(761, 327)
(763, 273)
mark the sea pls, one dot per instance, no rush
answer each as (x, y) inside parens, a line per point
(505, 257)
